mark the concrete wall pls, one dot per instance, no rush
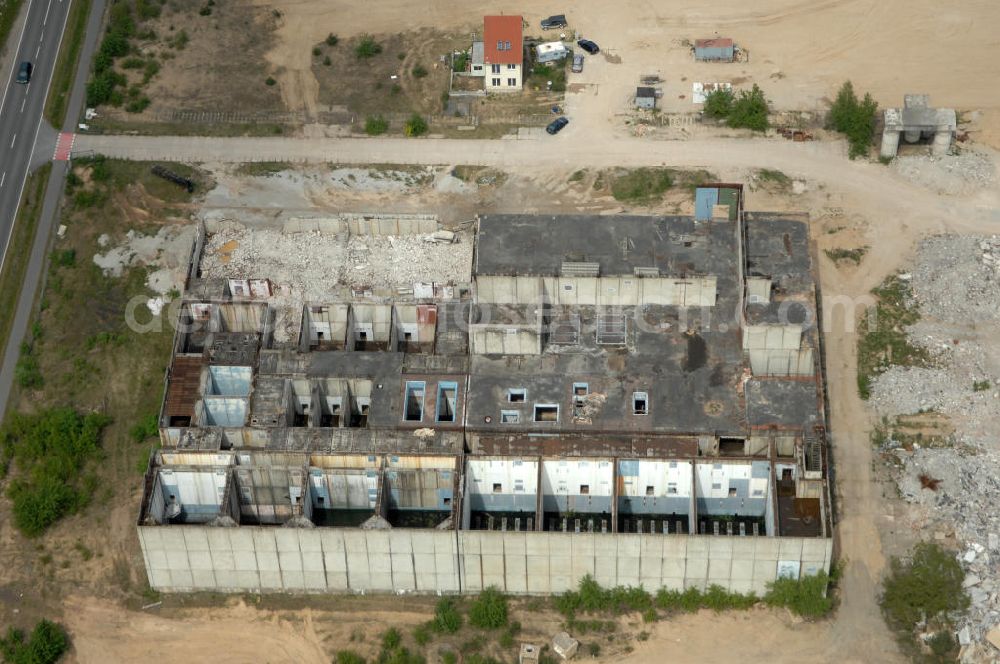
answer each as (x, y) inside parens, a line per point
(246, 558)
(596, 291)
(364, 224)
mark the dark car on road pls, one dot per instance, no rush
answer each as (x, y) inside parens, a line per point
(557, 21)
(589, 46)
(556, 125)
(24, 73)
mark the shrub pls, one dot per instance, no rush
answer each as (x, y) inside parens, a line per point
(415, 126)
(133, 63)
(367, 47)
(391, 639)
(269, 81)
(719, 103)
(205, 11)
(147, 9)
(326, 61)
(641, 184)
(46, 644)
(376, 125)
(317, 51)
(749, 110)
(137, 105)
(419, 71)
(449, 657)
(348, 657)
(50, 448)
(489, 610)
(332, 39)
(151, 69)
(422, 635)
(926, 587)
(855, 119)
(147, 427)
(64, 257)
(27, 371)
(447, 619)
(805, 596)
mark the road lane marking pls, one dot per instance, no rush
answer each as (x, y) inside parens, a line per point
(4, 177)
(24, 102)
(37, 50)
(47, 8)
(12, 140)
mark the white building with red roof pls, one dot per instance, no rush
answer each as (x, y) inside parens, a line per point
(503, 53)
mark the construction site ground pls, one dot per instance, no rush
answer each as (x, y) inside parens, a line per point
(799, 52)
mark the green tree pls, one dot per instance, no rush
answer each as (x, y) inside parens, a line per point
(749, 110)
(719, 103)
(447, 619)
(46, 644)
(855, 119)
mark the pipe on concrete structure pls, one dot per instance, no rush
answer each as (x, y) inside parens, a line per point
(912, 135)
(942, 142)
(890, 143)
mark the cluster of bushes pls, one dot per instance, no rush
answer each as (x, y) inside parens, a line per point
(45, 645)
(415, 125)
(926, 589)
(854, 118)
(805, 596)
(747, 110)
(50, 449)
(105, 86)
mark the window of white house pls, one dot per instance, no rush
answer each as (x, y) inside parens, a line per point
(496, 69)
(512, 82)
(496, 82)
(511, 66)
(672, 488)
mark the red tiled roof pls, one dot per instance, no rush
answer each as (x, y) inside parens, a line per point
(502, 40)
(721, 42)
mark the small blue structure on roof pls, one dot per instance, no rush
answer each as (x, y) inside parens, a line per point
(705, 199)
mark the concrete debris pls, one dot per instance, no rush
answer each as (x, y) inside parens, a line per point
(993, 636)
(950, 477)
(529, 654)
(155, 305)
(953, 175)
(564, 645)
(169, 251)
(444, 236)
(319, 267)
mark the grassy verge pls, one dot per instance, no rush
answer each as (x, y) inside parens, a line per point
(19, 249)
(108, 126)
(9, 10)
(65, 69)
(883, 341)
(648, 185)
(85, 361)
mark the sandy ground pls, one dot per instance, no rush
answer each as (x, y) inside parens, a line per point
(800, 50)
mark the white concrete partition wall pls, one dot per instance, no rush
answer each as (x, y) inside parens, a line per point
(183, 558)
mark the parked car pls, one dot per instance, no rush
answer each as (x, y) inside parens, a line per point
(556, 21)
(577, 63)
(557, 125)
(589, 46)
(24, 73)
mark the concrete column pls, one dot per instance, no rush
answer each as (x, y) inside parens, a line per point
(890, 143)
(942, 142)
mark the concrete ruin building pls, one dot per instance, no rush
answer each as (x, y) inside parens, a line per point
(918, 123)
(635, 398)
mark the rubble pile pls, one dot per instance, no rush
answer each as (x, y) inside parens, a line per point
(957, 278)
(952, 175)
(317, 267)
(955, 487)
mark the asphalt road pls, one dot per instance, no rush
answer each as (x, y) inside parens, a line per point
(22, 105)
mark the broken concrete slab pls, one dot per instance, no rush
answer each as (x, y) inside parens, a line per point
(565, 645)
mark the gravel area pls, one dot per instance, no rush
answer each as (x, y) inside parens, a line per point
(953, 175)
(957, 278)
